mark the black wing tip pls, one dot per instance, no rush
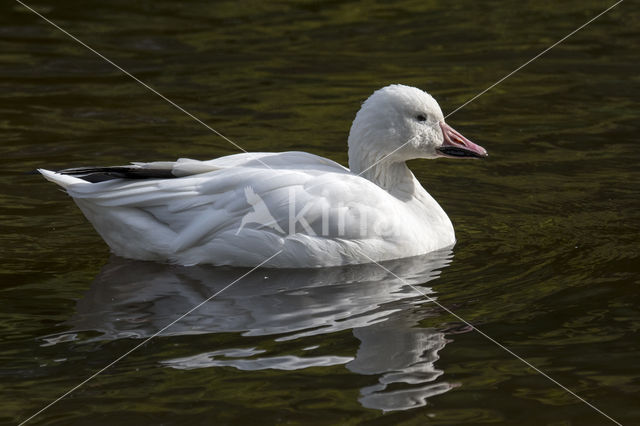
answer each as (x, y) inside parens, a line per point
(101, 174)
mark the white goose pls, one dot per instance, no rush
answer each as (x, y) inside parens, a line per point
(310, 210)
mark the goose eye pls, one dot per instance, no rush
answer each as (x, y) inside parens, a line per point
(421, 117)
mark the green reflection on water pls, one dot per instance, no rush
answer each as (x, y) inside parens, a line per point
(547, 226)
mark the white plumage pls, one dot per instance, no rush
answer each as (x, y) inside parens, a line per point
(243, 208)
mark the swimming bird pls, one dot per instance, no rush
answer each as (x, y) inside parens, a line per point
(242, 209)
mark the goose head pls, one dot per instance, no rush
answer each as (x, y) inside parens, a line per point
(399, 123)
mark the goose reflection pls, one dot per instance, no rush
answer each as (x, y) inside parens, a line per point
(136, 299)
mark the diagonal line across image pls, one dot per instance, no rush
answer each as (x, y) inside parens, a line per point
(430, 299)
(142, 83)
(500, 345)
(145, 341)
(506, 76)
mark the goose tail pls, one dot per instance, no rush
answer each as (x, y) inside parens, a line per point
(63, 180)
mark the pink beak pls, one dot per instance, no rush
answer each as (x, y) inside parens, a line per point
(457, 146)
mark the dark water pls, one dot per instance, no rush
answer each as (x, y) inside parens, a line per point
(547, 258)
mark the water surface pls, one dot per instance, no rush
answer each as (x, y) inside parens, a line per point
(547, 255)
